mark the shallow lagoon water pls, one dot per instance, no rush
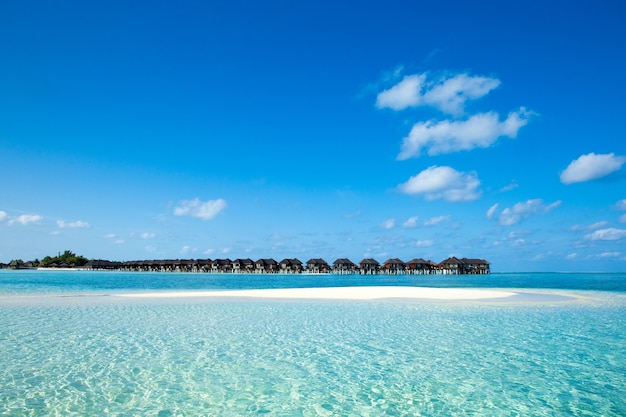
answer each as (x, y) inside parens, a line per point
(69, 355)
(40, 282)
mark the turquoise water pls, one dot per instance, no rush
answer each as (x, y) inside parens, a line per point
(30, 281)
(76, 353)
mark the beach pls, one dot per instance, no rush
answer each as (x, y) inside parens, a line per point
(339, 293)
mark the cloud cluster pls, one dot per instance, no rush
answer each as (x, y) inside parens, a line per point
(513, 215)
(607, 234)
(443, 182)
(446, 94)
(203, 210)
(479, 131)
(78, 224)
(596, 225)
(591, 166)
(436, 220)
(28, 219)
(412, 222)
(609, 255)
(621, 205)
(388, 224)
(24, 219)
(407, 93)
(449, 94)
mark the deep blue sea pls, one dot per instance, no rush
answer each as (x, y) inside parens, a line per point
(68, 346)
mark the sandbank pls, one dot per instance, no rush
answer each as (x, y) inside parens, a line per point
(340, 293)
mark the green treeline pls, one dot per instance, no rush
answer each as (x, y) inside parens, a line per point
(67, 258)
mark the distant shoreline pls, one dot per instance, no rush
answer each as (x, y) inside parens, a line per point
(341, 266)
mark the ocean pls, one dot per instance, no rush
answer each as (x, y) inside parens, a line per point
(70, 347)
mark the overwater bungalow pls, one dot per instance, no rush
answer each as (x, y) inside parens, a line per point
(187, 265)
(419, 266)
(475, 266)
(245, 265)
(451, 266)
(266, 266)
(369, 266)
(317, 266)
(204, 265)
(394, 266)
(464, 266)
(290, 266)
(221, 266)
(344, 266)
(97, 264)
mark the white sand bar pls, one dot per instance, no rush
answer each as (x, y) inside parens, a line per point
(340, 293)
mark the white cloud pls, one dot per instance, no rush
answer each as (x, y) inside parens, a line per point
(449, 95)
(114, 238)
(388, 224)
(26, 219)
(442, 182)
(607, 234)
(78, 224)
(213, 251)
(591, 166)
(593, 226)
(3, 215)
(407, 93)
(423, 243)
(597, 225)
(147, 235)
(610, 255)
(620, 205)
(202, 210)
(520, 211)
(278, 236)
(492, 211)
(446, 94)
(352, 215)
(411, 222)
(479, 131)
(433, 221)
(509, 187)
(571, 256)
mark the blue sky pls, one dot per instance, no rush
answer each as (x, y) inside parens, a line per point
(151, 130)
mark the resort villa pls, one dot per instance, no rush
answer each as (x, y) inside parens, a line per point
(367, 266)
